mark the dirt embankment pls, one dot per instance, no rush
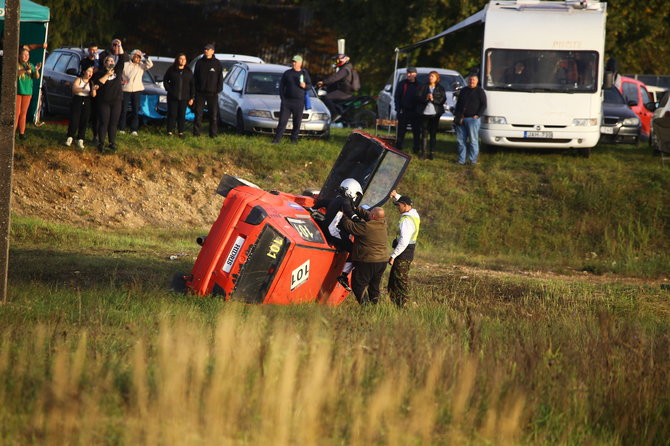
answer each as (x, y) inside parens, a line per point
(117, 191)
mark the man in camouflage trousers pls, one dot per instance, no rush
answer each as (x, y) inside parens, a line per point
(404, 246)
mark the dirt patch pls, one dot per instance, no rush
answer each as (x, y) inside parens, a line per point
(118, 191)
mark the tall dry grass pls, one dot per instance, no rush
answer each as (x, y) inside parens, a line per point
(250, 381)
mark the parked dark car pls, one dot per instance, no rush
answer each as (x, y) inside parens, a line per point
(62, 68)
(620, 124)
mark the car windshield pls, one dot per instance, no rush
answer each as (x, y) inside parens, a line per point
(159, 69)
(541, 70)
(612, 96)
(448, 81)
(147, 78)
(265, 83)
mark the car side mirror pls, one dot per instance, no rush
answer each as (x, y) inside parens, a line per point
(71, 71)
(609, 80)
(631, 103)
(387, 87)
(237, 90)
(651, 106)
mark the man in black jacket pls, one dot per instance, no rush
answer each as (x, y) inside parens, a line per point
(295, 82)
(208, 78)
(469, 107)
(342, 80)
(406, 107)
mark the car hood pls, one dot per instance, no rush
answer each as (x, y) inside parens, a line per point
(272, 103)
(153, 89)
(620, 110)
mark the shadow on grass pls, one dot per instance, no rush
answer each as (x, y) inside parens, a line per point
(119, 268)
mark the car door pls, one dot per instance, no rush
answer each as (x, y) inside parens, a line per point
(645, 114)
(226, 105)
(62, 92)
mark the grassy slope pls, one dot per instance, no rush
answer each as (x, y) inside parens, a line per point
(95, 350)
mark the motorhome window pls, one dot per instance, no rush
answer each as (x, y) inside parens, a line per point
(541, 71)
(258, 272)
(384, 179)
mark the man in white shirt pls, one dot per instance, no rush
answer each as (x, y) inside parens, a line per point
(403, 252)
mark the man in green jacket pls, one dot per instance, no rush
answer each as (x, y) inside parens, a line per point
(369, 253)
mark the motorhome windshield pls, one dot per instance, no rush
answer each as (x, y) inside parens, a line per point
(541, 71)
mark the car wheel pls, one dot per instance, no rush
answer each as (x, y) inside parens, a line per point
(240, 122)
(326, 135)
(365, 119)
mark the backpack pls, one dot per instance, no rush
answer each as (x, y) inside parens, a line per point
(355, 80)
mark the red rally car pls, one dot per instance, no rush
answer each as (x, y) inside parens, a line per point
(267, 246)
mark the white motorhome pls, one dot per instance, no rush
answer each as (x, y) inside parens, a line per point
(542, 70)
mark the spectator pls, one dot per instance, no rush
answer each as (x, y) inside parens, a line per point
(516, 75)
(92, 60)
(116, 51)
(25, 73)
(208, 78)
(82, 92)
(431, 106)
(110, 99)
(406, 105)
(403, 249)
(178, 82)
(295, 82)
(132, 88)
(342, 80)
(369, 254)
(470, 105)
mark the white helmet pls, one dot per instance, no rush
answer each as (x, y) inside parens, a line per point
(351, 188)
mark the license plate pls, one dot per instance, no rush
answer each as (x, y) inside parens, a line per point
(607, 130)
(547, 135)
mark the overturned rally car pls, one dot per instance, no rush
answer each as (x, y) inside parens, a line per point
(267, 246)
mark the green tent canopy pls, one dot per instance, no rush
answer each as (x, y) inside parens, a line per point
(33, 29)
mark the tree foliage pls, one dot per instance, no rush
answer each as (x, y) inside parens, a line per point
(78, 23)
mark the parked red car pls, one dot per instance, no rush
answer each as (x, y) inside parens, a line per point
(267, 246)
(638, 99)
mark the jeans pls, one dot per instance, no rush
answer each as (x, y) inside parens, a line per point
(132, 98)
(468, 133)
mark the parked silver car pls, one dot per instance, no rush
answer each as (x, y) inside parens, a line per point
(250, 102)
(449, 79)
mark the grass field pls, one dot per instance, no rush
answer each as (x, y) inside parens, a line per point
(537, 319)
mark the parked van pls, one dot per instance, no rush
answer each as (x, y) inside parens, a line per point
(639, 100)
(542, 70)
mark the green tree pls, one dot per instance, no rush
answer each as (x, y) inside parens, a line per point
(81, 22)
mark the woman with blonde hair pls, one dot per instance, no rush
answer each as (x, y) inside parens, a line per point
(431, 106)
(25, 74)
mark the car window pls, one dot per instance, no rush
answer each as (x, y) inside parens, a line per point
(148, 78)
(51, 61)
(230, 80)
(62, 63)
(264, 83)
(239, 81)
(645, 95)
(74, 63)
(630, 92)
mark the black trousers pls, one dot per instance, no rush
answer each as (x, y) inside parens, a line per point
(108, 118)
(290, 107)
(176, 112)
(80, 111)
(212, 100)
(409, 117)
(94, 118)
(365, 281)
(429, 132)
(132, 98)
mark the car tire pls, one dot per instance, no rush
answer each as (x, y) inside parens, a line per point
(585, 152)
(239, 122)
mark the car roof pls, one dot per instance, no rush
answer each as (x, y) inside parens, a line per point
(266, 67)
(238, 57)
(423, 70)
(162, 59)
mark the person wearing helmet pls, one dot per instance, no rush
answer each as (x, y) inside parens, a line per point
(341, 83)
(348, 196)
